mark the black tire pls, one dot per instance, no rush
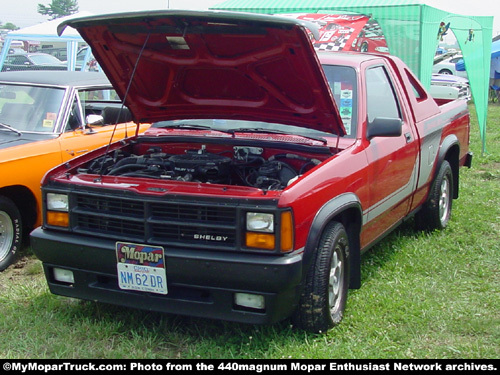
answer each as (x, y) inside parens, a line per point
(436, 212)
(323, 299)
(10, 232)
(446, 71)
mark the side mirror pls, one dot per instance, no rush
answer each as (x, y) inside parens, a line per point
(94, 120)
(384, 127)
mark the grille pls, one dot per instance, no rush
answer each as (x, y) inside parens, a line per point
(201, 224)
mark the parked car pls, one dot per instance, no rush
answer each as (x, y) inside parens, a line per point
(447, 86)
(60, 53)
(270, 169)
(16, 50)
(32, 61)
(371, 40)
(89, 61)
(42, 124)
(448, 65)
(85, 59)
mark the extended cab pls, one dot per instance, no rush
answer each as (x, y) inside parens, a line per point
(268, 171)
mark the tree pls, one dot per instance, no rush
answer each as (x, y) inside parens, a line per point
(58, 8)
(8, 26)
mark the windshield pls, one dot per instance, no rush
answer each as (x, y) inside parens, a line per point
(30, 108)
(343, 84)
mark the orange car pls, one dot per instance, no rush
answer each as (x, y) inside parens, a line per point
(47, 118)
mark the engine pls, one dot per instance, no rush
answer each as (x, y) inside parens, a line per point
(246, 167)
(201, 166)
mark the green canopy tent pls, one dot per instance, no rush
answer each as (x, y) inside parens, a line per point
(412, 30)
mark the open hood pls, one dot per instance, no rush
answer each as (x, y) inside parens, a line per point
(170, 65)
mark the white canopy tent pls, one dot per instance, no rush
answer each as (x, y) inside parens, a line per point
(47, 32)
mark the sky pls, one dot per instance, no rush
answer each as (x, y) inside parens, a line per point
(23, 13)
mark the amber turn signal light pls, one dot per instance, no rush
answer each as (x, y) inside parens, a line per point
(264, 241)
(59, 219)
(286, 232)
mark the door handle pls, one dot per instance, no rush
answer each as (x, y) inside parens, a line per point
(73, 153)
(408, 137)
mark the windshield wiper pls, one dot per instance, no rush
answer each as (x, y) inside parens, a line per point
(187, 126)
(8, 127)
(194, 127)
(274, 131)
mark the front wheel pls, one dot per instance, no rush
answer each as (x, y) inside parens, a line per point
(10, 232)
(323, 299)
(436, 212)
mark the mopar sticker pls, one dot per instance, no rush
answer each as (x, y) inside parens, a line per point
(141, 268)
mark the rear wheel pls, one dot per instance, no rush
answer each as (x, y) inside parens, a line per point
(436, 212)
(10, 232)
(323, 299)
(445, 71)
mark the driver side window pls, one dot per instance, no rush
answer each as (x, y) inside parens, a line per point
(381, 99)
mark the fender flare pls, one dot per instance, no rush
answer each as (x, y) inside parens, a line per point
(336, 208)
(451, 141)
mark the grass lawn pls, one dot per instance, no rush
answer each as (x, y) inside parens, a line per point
(424, 295)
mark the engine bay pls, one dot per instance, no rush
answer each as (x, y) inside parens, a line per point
(259, 167)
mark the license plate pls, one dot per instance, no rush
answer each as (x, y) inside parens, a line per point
(141, 268)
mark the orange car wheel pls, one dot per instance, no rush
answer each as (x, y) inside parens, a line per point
(10, 232)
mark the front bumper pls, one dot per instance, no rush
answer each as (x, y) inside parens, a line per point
(200, 283)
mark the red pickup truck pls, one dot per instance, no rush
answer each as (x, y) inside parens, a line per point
(267, 173)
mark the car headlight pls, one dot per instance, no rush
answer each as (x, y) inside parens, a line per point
(57, 213)
(270, 231)
(57, 202)
(260, 222)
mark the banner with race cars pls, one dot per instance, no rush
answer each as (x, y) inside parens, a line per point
(345, 32)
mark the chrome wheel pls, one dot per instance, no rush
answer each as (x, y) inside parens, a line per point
(10, 232)
(444, 201)
(6, 234)
(336, 280)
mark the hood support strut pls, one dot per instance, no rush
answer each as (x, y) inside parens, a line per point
(123, 102)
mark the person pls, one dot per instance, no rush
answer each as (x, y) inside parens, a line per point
(495, 77)
(495, 71)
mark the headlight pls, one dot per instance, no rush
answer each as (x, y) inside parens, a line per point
(57, 213)
(260, 222)
(270, 231)
(57, 202)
